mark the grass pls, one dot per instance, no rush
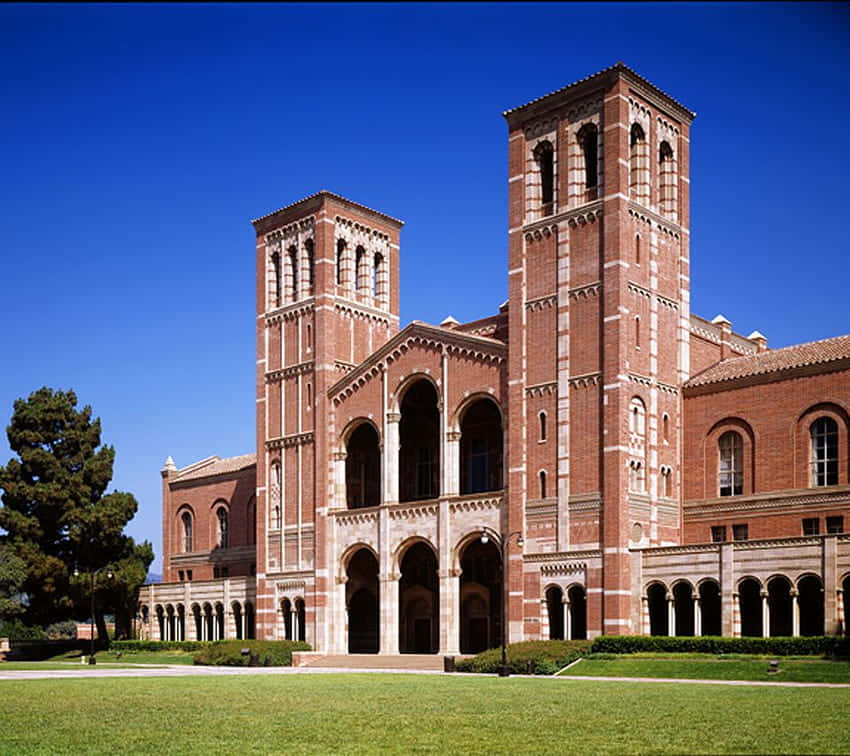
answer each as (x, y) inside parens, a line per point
(72, 660)
(708, 667)
(412, 713)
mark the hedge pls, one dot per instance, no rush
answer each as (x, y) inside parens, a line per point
(130, 646)
(546, 657)
(831, 646)
(261, 653)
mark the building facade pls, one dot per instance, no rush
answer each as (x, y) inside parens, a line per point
(592, 458)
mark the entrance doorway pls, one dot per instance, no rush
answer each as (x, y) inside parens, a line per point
(362, 601)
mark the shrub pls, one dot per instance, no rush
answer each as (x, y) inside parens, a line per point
(14, 629)
(228, 653)
(707, 644)
(546, 657)
(131, 646)
(62, 630)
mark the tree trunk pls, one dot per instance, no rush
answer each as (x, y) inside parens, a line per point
(102, 633)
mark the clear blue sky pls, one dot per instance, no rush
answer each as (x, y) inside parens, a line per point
(138, 141)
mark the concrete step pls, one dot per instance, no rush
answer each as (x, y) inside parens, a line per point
(378, 661)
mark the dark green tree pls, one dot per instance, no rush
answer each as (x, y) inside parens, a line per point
(55, 511)
(13, 573)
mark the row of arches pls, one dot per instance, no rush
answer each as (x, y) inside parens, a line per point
(206, 621)
(567, 612)
(293, 274)
(480, 458)
(363, 273)
(777, 607)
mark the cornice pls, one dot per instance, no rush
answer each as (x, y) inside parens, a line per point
(290, 371)
(360, 310)
(290, 311)
(590, 212)
(542, 389)
(583, 381)
(837, 496)
(645, 215)
(295, 439)
(563, 556)
(541, 303)
(317, 199)
(585, 290)
(300, 226)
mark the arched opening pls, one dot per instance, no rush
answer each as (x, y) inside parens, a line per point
(170, 623)
(544, 155)
(749, 598)
(301, 618)
(250, 621)
(730, 471)
(340, 262)
(276, 283)
(588, 142)
(419, 604)
(667, 179)
(577, 597)
(292, 274)
(710, 612)
(186, 519)
(656, 596)
(311, 266)
(361, 598)
(810, 602)
(208, 631)
(181, 622)
(683, 601)
(160, 621)
(286, 611)
(219, 622)
(237, 619)
(555, 610)
(780, 608)
(363, 468)
(638, 164)
(419, 461)
(197, 622)
(221, 516)
(360, 272)
(480, 597)
(637, 249)
(824, 463)
(542, 418)
(481, 448)
(542, 480)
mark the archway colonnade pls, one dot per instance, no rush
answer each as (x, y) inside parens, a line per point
(204, 621)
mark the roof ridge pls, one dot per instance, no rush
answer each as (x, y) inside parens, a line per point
(327, 193)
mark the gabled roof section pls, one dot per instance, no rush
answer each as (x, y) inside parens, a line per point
(813, 357)
(418, 332)
(214, 466)
(324, 193)
(599, 77)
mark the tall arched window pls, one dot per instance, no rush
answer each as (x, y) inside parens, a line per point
(637, 249)
(588, 141)
(309, 337)
(667, 179)
(276, 504)
(276, 283)
(824, 452)
(730, 471)
(638, 164)
(340, 262)
(637, 331)
(637, 417)
(542, 484)
(542, 417)
(311, 266)
(637, 444)
(544, 155)
(360, 274)
(292, 274)
(376, 264)
(186, 518)
(665, 428)
(221, 514)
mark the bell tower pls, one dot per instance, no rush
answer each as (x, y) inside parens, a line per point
(599, 329)
(327, 296)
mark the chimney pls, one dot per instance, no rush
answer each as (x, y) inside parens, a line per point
(760, 339)
(725, 336)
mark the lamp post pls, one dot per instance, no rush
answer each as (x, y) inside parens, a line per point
(504, 542)
(92, 575)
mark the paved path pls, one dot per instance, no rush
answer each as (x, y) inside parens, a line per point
(183, 670)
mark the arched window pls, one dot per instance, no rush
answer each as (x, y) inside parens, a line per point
(588, 141)
(544, 155)
(637, 331)
(359, 272)
(637, 249)
(309, 395)
(637, 417)
(381, 281)
(311, 266)
(340, 262)
(275, 480)
(276, 283)
(542, 484)
(637, 479)
(221, 514)
(665, 488)
(542, 417)
(638, 164)
(667, 179)
(730, 475)
(292, 274)
(309, 337)
(665, 428)
(824, 452)
(186, 518)
(376, 266)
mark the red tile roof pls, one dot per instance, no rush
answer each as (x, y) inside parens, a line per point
(775, 361)
(216, 466)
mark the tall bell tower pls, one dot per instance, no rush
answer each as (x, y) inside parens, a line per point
(599, 331)
(327, 296)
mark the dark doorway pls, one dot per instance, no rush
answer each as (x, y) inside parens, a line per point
(418, 597)
(481, 448)
(709, 600)
(578, 612)
(362, 601)
(683, 599)
(810, 601)
(418, 455)
(363, 468)
(481, 597)
(749, 596)
(780, 607)
(555, 609)
(659, 619)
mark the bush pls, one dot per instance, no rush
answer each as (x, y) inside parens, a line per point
(707, 644)
(228, 653)
(546, 657)
(14, 629)
(131, 646)
(66, 630)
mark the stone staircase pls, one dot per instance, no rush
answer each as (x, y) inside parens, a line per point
(425, 662)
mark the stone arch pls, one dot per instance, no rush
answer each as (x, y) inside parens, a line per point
(416, 563)
(352, 425)
(750, 594)
(300, 618)
(250, 620)
(810, 602)
(659, 616)
(683, 603)
(362, 464)
(397, 396)
(350, 550)
(419, 439)
(236, 610)
(780, 605)
(286, 612)
(804, 458)
(555, 596)
(362, 600)
(481, 594)
(576, 594)
(711, 456)
(481, 424)
(467, 401)
(159, 611)
(197, 620)
(711, 618)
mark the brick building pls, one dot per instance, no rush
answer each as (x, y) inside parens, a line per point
(641, 469)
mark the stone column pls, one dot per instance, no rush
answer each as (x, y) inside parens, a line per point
(293, 623)
(671, 615)
(795, 612)
(390, 458)
(452, 463)
(840, 616)
(229, 622)
(568, 630)
(244, 617)
(388, 588)
(697, 614)
(765, 616)
(645, 626)
(339, 497)
(736, 615)
(339, 618)
(450, 612)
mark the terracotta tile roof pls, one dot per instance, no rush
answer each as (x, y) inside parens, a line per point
(215, 466)
(332, 195)
(620, 66)
(775, 360)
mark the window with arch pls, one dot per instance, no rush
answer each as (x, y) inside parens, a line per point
(588, 139)
(542, 476)
(730, 471)
(637, 417)
(340, 262)
(665, 428)
(275, 483)
(542, 419)
(637, 481)
(638, 164)
(544, 155)
(376, 267)
(381, 281)
(359, 259)
(637, 331)
(309, 395)
(186, 519)
(221, 516)
(309, 253)
(292, 274)
(637, 249)
(665, 486)
(276, 282)
(309, 338)
(667, 179)
(824, 434)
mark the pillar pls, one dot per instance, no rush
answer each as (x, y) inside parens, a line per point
(736, 615)
(568, 630)
(449, 612)
(671, 615)
(452, 463)
(293, 623)
(339, 501)
(795, 612)
(765, 616)
(388, 614)
(697, 614)
(645, 627)
(840, 618)
(390, 458)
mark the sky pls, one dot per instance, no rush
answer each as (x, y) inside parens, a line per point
(137, 142)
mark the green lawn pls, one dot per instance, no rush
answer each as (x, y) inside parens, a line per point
(412, 713)
(104, 658)
(705, 666)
